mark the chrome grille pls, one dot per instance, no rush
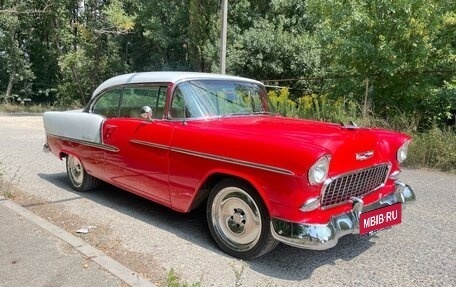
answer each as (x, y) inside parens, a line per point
(358, 184)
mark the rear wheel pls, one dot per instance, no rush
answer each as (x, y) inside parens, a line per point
(238, 220)
(80, 180)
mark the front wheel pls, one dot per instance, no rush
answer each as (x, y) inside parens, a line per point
(238, 220)
(80, 180)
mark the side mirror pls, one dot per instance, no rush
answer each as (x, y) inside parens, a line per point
(146, 113)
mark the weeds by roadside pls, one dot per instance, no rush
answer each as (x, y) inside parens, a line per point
(238, 268)
(435, 148)
(40, 108)
(172, 280)
(8, 180)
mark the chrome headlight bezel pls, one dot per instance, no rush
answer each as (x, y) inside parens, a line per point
(401, 154)
(318, 172)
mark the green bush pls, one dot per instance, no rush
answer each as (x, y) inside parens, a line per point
(435, 148)
(439, 107)
(316, 107)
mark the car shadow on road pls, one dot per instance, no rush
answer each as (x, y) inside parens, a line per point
(283, 262)
(290, 263)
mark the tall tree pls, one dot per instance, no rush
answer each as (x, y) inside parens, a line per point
(161, 38)
(272, 40)
(176, 35)
(385, 47)
(15, 23)
(203, 18)
(88, 37)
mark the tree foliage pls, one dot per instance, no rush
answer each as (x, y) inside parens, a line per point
(398, 55)
(404, 48)
(15, 42)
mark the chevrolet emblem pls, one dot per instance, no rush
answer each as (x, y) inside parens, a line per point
(364, 155)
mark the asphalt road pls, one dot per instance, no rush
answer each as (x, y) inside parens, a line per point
(419, 252)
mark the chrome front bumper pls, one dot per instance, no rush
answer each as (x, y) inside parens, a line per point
(325, 236)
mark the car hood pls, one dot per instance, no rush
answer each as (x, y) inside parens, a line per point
(352, 147)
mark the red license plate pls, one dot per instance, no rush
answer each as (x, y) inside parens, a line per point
(380, 218)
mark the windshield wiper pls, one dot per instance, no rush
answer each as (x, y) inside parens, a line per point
(247, 113)
(265, 113)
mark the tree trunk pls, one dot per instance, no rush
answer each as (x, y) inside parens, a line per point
(366, 96)
(9, 89)
(12, 77)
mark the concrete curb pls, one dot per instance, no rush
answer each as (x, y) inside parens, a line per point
(120, 271)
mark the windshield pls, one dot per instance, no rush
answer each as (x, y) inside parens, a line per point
(218, 98)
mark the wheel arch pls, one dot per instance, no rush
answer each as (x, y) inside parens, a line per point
(202, 192)
(63, 155)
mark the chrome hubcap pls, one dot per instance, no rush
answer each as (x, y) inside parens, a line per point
(75, 170)
(236, 222)
(236, 218)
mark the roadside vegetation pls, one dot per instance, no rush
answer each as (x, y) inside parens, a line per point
(172, 280)
(237, 267)
(35, 108)
(8, 180)
(432, 147)
(22, 108)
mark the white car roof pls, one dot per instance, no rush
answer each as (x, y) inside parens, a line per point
(163, 77)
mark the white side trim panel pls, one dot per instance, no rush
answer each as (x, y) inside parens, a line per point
(74, 125)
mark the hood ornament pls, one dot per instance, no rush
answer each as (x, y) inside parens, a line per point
(364, 155)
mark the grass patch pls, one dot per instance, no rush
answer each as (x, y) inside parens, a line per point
(8, 181)
(435, 148)
(40, 108)
(238, 268)
(172, 280)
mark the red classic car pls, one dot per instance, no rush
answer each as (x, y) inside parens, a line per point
(185, 139)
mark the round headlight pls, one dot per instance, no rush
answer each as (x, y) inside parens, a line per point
(402, 152)
(319, 171)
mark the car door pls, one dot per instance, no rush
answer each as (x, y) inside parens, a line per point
(141, 160)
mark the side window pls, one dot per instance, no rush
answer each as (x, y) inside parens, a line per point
(108, 104)
(134, 98)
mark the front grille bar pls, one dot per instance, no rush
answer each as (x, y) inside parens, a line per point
(358, 183)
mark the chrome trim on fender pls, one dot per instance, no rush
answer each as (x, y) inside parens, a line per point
(149, 144)
(233, 161)
(214, 157)
(325, 236)
(86, 143)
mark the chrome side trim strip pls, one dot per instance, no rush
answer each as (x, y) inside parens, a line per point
(234, 161)
(86, 143)
(149, 144)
